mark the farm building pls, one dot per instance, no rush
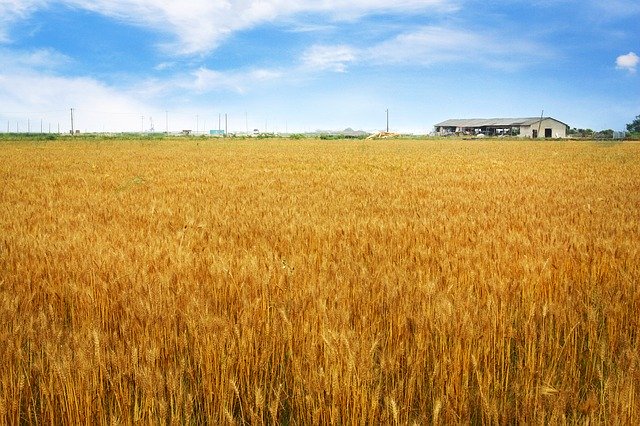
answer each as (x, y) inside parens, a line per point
(531, 127)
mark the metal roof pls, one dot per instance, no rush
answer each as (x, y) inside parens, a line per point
(493, 122)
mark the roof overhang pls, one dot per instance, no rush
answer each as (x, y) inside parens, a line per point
(493, 122)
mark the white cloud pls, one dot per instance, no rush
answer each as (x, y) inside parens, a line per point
(164, 66)
(40, 59)
(424, 46)
(617, 8)
(628, 62)
(207, 80)
(332, 58)
(30, 89)
(35, 96)
(437, 44)
(14, 10)
(429, 45)
(199, 26)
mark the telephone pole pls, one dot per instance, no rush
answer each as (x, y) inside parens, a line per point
(540, 122)
(387, 120)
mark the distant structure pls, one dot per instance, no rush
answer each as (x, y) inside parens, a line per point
(529, 127)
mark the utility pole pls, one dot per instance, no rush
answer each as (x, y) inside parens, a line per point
(72, 132)
(540, 122)
(387, 120)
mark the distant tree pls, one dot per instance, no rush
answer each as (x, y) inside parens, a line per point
(604, 134)
(634, 126)
(581, 133)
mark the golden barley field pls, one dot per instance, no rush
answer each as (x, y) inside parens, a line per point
(198, 281)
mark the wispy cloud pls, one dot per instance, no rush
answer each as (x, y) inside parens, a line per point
(12, 11)
(423, 46)
(617, 8)
(40, 59)
(429, 45)
(199, 26)
(426, 46)
(206, 80)
(436, 44)
(329, 58)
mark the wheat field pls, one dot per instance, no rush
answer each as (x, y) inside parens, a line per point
(198, 281)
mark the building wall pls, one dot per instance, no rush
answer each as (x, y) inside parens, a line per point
(558, 129)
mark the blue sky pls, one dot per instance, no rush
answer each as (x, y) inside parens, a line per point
(301, 65)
